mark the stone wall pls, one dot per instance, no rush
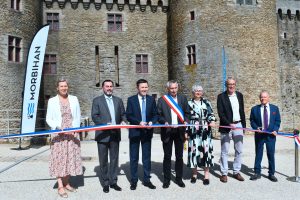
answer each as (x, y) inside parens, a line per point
(83, 30)
(22, 24)
(248, 34)
(289, 54)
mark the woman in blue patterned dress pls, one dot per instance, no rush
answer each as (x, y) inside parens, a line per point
(200, 147)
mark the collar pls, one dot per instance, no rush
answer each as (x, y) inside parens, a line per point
(262, 106)
(232, 95)
(107, 97)
(141, 97)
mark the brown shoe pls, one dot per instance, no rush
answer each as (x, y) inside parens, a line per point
(223, 178)
(238, 177)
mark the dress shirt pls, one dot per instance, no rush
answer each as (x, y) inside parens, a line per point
(235, 107)
(262, 114)
(173, 114)
(110, 103)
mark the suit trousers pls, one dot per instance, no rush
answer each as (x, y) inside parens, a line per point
(108, 176)
(134, 146)
(167, 146)
(260, 140)
(237, 137)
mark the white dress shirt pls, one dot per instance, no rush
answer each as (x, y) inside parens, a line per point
(235, 107)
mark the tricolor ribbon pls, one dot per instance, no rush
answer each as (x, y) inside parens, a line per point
(109, 127)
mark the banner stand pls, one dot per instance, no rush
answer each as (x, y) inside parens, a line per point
(296, 178)
(32, 81)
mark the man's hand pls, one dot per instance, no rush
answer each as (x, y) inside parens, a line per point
(274, 133)
(143, 123)
(233, 126)
(123, 123)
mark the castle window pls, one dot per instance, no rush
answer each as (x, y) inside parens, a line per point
(191, 54)
(246, 2)
(192, 14)
(297, 15)
(53, 21)
(50, 64)
(114, 22)
(141, 63)
(15, 4)
(14, 49)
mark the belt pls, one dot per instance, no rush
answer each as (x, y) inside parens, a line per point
(236, 122)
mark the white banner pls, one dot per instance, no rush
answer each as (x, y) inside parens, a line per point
(35, 61)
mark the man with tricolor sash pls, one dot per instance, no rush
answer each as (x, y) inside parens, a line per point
(173, 110)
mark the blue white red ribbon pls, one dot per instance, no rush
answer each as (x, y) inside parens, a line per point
(109, 127)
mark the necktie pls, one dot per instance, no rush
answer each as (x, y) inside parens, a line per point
(143, 109)
(266, 118)
(111, 110)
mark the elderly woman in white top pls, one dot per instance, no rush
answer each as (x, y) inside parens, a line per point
(200, 147)
(64, 112)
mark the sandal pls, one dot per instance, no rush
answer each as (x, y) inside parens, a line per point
(70, 188)
(62, 194)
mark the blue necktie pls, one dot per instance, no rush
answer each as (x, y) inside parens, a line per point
(111, 110)
(266, 118)
(143, 109)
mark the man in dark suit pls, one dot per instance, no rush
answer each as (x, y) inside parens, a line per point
(230, 106)
(108, 109)
(141, 110)
(177, 113)
(265, 117)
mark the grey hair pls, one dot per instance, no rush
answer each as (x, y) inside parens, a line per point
(62, 79)
(230, 78)
(197, 87)
(171, 82)
(263, 91)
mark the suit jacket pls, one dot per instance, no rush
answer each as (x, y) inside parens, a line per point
(54, 118)
(133, 114)
(101, 116)
(225, 111)
(274, 122)
(164, 113)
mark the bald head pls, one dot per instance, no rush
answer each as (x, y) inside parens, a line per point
(264, 97)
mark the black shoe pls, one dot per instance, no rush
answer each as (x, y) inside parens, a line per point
(106, 189)
(272, 178)
(116, 187)
(193, 180)
(133, 186)
(149, 185)
(255, 177)
(166, 184)
(180, 183)
(206, 182)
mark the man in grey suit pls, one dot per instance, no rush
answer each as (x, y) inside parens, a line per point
(108, 109)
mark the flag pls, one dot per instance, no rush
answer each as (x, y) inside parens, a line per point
(224, 64)
(35, 60)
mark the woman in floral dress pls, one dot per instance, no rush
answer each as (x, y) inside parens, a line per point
(65, 160)
(200, 147)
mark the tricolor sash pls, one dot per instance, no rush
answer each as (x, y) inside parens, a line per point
(174, 106)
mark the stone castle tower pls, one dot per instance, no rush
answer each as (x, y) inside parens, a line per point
(124, 40)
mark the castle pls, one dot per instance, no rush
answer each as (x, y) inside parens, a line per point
(124, 40)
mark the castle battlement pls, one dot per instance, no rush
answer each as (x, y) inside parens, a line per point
(132, 4)
(287, 7)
